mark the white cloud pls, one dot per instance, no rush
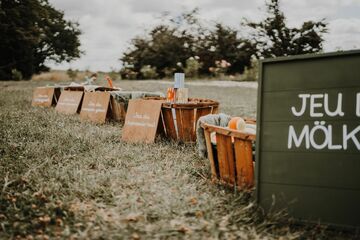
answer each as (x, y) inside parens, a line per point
(344, 34)
(108, 26)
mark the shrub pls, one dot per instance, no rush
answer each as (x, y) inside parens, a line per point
(193, 66)
(128, 73)
(72, 73)
(169, 72)
(220, 68)
(148, 72)
(251, 73)
(16, 74)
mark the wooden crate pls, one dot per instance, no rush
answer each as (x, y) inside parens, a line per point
(118, 111)
(180, 118)
(231, 160)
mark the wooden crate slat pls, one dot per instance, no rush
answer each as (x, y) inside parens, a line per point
(169, 123)
(214, 109)
(179, 123)
(210, 154)
(187, 125)
(229, 132)
(244, 163)
(202, 112)
(226, 158)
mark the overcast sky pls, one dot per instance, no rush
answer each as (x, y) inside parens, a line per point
(109, 25)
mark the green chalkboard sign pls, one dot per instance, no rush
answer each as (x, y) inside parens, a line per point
(308, 139)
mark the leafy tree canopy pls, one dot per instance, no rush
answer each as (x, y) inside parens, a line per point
(32, 31)
(224, 43)
(184, 44)
(273, 38)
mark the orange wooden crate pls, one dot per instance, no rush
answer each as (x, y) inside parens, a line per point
(233, 163)
(186, 114)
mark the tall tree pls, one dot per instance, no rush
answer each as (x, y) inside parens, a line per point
(32, 31)
(223, 43)
(184, 44)
(162, 48)
(273, 38)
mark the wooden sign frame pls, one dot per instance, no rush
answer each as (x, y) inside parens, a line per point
(95, 106)
(302, 162)
(143, 121)
(45, 96)
(69, 102)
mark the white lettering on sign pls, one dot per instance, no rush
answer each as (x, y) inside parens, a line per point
(298, 140)
(140, 116)
(314, 104)
(303, 108)
(141, 124)
(92, 109)
(358, 104)
(338, 110)
(91, 104)
(68, 102)
(42, 98)
(351, 135)
(320, 135)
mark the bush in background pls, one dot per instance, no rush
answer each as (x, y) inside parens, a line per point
(16, 75)
(193, 66)
(251, 73)
(72, 74)
(220, 68)
(148, 72)
(128, 73)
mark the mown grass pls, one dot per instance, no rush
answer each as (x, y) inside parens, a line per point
(62, 178)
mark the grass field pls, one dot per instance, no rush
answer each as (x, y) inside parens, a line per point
(62, 178)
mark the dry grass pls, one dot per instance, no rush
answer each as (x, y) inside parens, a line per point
(63, 178)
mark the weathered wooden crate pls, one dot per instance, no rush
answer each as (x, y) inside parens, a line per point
(180, 118)
(231, 159)
(118, 109)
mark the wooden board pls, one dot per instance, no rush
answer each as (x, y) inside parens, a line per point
(226, 158)
(142, 121)
(95, 106)
(185, 125)
(308, 137)
(329, 205)
(69, 102)
(210, 154)
(43, 96)
(244, 163)
(169, 123)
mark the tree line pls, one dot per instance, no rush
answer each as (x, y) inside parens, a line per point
(33, 32)
(184, 44)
